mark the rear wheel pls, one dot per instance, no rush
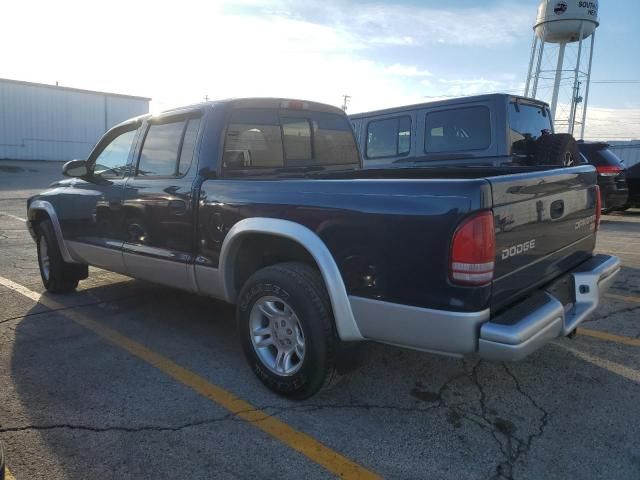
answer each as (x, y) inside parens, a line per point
(57, 275)
(286, 329)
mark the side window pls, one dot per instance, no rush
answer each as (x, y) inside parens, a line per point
(112, 160)
(188, 146)
(457, 129)
(390, 137)
(253, 140)
(159, 155)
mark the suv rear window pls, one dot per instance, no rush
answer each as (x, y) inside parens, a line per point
(266, 138)
(457, 129)
(602, 157)
(526, 123)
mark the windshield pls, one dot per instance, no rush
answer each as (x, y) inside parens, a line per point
(527, 123)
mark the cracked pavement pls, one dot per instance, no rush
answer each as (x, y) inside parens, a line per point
(73, 406)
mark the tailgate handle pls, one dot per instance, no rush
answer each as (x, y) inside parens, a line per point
(557, 209)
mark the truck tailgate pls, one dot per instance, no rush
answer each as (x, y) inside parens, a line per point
(545, 225)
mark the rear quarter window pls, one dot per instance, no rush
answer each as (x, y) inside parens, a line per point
(389, 137)
(457, 129)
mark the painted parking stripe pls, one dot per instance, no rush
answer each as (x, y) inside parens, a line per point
(609, 337)
(13, 216)
(614, 367)
(625, 298)
(299, 441)
(7, 474)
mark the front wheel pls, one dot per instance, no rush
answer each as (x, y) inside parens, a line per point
(286, 329)
(57, 275)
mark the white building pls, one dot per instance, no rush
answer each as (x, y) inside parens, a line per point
(48, 122)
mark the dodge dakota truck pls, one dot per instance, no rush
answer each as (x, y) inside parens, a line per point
(263, 203)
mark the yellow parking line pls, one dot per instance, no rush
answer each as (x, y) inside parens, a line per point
(13, 216)
(614, 367)
(7, 474)
(634, 342)
(299, 441)
(626, 298)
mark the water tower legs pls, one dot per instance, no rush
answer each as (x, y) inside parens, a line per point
(574, 92)
(586, 93)
(556, 82)
(533, 55)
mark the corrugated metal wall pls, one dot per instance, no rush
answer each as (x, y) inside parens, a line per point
(41, 122)
(629, 152)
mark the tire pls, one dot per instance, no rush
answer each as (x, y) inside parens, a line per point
(558, 149)
(57, 275)
(293, 294)
(2, 462)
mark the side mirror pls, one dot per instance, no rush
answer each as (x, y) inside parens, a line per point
(75, 168)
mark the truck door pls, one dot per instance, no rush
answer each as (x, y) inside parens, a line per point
(91, 211)
(159, 201)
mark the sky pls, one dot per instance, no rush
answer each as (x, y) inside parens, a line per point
(382, 54)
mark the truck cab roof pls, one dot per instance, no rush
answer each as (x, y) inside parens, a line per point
(447, 102)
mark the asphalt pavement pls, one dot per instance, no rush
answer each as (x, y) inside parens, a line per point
(126, 379)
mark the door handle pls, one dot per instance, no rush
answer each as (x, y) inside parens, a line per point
(178, 206)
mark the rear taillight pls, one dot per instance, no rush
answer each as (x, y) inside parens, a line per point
(609, 170)
(598, 208)
(473, 251)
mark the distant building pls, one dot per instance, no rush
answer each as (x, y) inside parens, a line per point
(48, 122)
(629, 151)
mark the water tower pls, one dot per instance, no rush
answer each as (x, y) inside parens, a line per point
(559, 55)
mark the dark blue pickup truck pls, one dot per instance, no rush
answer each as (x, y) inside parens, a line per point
(263, 203)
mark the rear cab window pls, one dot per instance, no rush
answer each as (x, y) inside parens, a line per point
(267, 138)
(457, 129)
(527, 122)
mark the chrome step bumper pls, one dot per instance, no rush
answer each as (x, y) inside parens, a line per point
(534, 322)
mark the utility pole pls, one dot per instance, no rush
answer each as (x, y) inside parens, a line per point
(345, 101)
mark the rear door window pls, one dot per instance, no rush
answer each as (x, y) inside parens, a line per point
(390, 137)
(458, 129)
(159, 155)
(188, 146)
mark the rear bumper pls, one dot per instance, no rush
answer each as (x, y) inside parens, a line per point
(615, 199)
(534, 322)
(522, 329)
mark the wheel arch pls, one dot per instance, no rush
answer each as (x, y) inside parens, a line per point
(41, 210)
(317, 250)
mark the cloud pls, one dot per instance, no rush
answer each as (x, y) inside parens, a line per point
(374, 24)
(611, 124)
(407, 71)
